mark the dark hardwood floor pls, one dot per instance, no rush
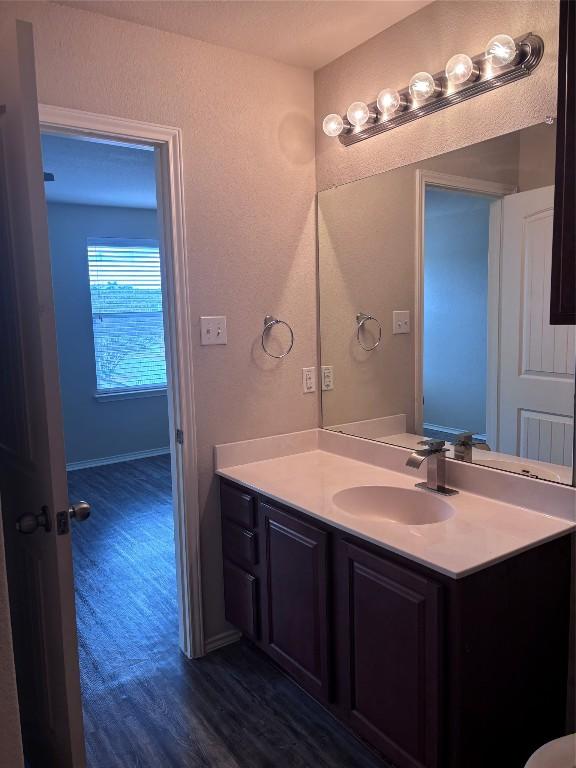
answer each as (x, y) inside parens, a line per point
(145, 705)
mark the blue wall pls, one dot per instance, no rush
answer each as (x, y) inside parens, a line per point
(95, 429)
(455, 309)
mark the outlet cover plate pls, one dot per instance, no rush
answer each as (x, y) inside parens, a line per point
(401, 321)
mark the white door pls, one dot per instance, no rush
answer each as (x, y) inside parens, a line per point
(537, 360)
(32, 463)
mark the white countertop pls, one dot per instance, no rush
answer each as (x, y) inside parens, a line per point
(543, 469)
(481, 532)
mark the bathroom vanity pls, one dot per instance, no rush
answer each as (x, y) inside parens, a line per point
(436, 629)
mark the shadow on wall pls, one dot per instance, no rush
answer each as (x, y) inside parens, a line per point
(296, 138)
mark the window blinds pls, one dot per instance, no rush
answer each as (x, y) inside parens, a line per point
(127, 320)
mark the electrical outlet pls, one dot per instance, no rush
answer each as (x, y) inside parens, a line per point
(308, 380)
(327, 378)
(213, 330)
(401, 321)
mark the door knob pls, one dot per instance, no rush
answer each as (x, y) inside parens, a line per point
(31, 523)
(80, 511)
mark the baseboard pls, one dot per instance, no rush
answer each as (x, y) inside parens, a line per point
(219, 641)
(116, 459)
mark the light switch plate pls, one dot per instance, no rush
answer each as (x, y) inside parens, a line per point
(327, 378)
(308, 380)
(213, 330)
(401, 321)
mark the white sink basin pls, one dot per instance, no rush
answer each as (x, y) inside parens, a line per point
(386, 502)
(528, 470)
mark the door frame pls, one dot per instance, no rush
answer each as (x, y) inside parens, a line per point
(180, 391)
(426, 178)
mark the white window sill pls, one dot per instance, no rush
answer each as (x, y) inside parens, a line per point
(128, 394)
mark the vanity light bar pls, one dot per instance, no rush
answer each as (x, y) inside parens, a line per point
(505, 60)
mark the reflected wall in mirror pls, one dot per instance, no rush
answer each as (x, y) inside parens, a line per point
(434, 307)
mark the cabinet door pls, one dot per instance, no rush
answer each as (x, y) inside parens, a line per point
(389, 645)
(295, 609)
(237, 505)
(241, 599)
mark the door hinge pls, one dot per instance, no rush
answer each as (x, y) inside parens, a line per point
(179, 437)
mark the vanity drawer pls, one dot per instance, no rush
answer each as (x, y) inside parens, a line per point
(237, 505)
(241, 599)
(239, 544)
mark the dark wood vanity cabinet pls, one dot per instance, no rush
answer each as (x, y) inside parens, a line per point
(433, 672)
(389, 654)
(295, 618)
(239, 546)
(563, 289)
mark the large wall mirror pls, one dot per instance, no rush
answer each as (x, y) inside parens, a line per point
(434, 307)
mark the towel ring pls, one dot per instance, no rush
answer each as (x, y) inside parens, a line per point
(270, 322)
(362, 318)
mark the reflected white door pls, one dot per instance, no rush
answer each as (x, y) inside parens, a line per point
(32, 462)
(537, 360)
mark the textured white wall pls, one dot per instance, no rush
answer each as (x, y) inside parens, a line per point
(425, 41)
(248, 148)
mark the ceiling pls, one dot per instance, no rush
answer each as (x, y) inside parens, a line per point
(303, 33)
(91, 172)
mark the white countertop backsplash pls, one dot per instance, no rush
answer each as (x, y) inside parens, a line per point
(497, 514)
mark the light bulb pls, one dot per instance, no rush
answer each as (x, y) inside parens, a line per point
(422, 86)
(461, 69)
(358, 113)
(389, 101)
(333, 125)
(501, 50)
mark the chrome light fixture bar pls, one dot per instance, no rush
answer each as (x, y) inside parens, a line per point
(484, 75)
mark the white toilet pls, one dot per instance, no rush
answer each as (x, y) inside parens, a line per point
(560, 753)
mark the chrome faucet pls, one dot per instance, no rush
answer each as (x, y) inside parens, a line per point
(463, 445)
(435, 452)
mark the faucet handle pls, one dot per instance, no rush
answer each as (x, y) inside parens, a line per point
(433, 444)
(464, 439)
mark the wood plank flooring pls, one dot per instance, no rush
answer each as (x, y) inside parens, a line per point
(145, 705)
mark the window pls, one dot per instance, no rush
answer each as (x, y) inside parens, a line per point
(126, 293)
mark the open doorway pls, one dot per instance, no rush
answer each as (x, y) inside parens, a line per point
(457, 244)
(109, 301)
(493, 370)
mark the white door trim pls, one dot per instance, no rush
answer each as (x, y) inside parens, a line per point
(447, 181)
(168, 142)
(493, 330)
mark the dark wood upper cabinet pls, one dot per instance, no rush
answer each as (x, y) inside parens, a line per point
(295, 605)
(563, 289)
(390, 656)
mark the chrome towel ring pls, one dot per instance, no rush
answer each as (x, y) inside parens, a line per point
(269, 323)
(361, 319)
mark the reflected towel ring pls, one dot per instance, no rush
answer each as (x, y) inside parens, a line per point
(270, 322)
(362, 318)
